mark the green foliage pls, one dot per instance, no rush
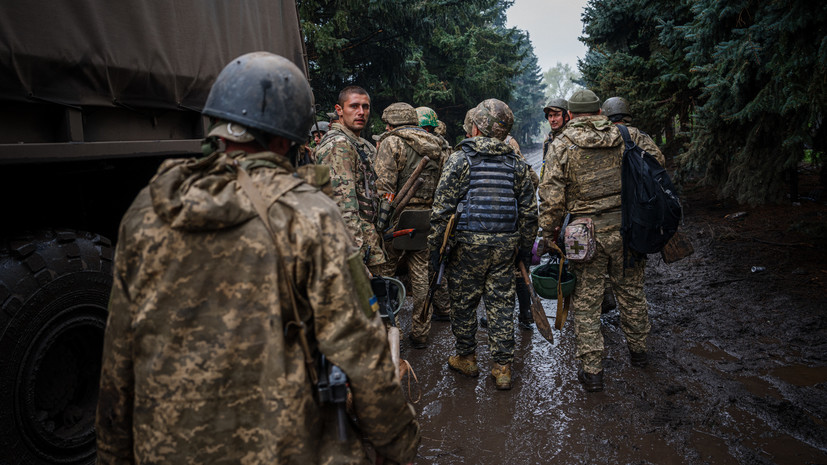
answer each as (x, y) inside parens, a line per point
(445, 54)
(561, 81)
(745, 80)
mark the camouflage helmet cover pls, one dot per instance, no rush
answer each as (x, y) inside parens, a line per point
(426, 117)
(493, 118)
(399, 113)
(616, 106)
(467, 124)
(584, 101)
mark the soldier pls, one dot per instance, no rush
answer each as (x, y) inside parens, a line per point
(617, 110)
(318, 130)
(556, 112)
(582, 178)
(350, 159)
(501, 220)
(232, 279)
(401, 149)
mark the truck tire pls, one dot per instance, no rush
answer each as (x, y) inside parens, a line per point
(54, 291)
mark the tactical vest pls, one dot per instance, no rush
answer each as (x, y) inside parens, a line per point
(597, 175)
(490, 205)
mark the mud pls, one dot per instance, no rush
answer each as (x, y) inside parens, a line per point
(737, 372)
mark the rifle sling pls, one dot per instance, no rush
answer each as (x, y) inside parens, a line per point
(261, 208)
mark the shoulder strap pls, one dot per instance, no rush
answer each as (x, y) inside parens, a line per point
(627, 139)
(261, 208)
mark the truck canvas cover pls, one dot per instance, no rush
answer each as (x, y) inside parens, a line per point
(147, 53)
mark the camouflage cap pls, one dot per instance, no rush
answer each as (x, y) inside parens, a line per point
(231, 131)
(399, 113)
(584, 101)
(493, 118)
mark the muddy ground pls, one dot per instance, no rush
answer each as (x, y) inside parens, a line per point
(738, 360)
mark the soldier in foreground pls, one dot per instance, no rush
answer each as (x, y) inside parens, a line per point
(401, 149)
(582, 177)
(232, 281)
(350, 159)
(493, 231)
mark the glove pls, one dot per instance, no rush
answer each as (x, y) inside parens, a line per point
(524, 255)
(434, 261)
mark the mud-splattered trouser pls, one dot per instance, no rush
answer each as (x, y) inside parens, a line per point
(483, 272)
(588, 296)
(418, 271)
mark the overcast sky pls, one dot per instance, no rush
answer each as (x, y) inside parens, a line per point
(553, 26)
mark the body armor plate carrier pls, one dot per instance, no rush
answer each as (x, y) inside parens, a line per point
(490, 205)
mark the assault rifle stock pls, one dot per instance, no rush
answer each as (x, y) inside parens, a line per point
(444, 252)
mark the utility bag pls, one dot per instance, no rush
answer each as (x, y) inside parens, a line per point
(579, 240)
(650, 208)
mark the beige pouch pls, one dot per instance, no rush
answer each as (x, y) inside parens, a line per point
(579, 240)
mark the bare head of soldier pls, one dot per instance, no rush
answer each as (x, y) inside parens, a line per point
(353, 108)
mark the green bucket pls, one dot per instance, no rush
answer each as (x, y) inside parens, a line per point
(544, 278)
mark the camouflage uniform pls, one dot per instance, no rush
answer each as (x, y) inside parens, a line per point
(352, 179)
(400, 151)
(202, 361)
(482, 264)
(582, 177)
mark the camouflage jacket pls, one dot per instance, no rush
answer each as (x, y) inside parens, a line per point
(582, 173)
(353, 181)
(535, 179)
(202, 362)
(400, 151)
(454, 184)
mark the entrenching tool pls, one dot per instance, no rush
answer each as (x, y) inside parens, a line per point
(540, 318)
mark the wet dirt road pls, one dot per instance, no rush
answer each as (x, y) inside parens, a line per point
(737, 375)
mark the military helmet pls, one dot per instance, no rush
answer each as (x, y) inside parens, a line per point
(466, 124)
(557, 102)
(616, 106)
(493, 118)
(584, 101)
(441, 129)
(264, 92)
(426, 117)
(399, 113)
(319, 126)
(544, 279)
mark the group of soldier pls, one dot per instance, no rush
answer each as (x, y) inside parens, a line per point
(237, 278)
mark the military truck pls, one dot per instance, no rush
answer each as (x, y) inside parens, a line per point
(93, 95)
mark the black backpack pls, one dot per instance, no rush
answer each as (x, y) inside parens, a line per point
(650, 208)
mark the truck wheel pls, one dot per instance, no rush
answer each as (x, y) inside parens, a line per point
(54, 290)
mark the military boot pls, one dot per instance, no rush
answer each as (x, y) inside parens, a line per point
(639, 359)
(591, 382)
(502, 376)
(609, 302)
(465, 364)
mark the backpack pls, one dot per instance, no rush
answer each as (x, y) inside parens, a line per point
(650, 209)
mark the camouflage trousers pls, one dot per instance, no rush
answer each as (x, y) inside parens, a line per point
(482, 272)
(588, 296)
(417, 261)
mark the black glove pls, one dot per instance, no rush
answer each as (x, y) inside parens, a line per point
(434, 260)
(524, 255)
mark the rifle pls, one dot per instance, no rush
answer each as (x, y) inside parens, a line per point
(332, 388)
(444, 251)
(387, 209)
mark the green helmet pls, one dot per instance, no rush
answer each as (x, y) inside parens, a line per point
(544, 280)
(399, 113)
(584, 101)
(493, 118)
(559, 103)
(616, 108)
(426, 117)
